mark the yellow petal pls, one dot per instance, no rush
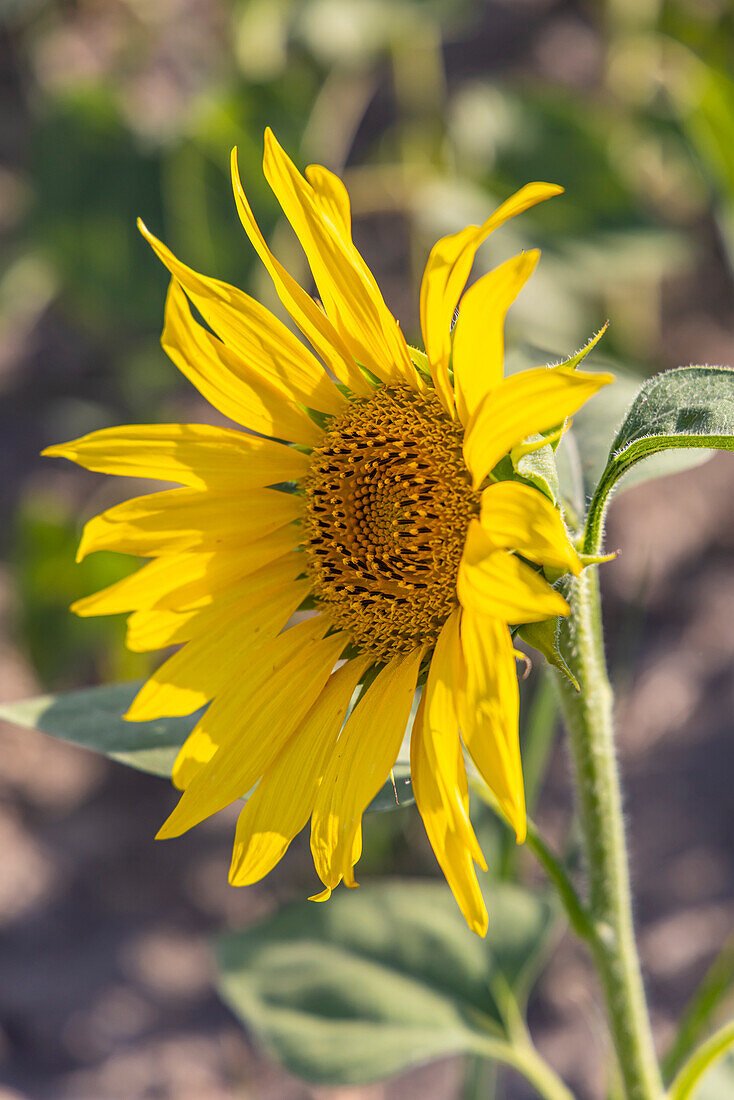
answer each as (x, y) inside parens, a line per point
(196, 455)
(454, 858)
(332, 197)
(284, 797)
(227, 380)
(186, 580)
(312, 321)
(439, 778)
(262, 661)
(517, 517)
(447, 270)
(440, 730)
(250, 727)
(157, 628)
(351, 297)
(364, 754)
(489, 712)
(188, 519)
(496, 583)
(524, 404)
(269, 348)
(479, 342)
(207, 665)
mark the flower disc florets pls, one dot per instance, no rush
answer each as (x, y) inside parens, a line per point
(389, 500)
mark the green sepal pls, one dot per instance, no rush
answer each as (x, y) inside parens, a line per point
(597, 559)
(534, 459)
(537, 466)
(579, 356)
(321, 419)
(544, 637)
(419, 359)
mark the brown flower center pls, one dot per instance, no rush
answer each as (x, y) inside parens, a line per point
(389, 500)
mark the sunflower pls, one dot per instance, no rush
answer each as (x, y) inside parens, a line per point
(356, 541)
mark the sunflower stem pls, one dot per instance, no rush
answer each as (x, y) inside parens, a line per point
(588, 719)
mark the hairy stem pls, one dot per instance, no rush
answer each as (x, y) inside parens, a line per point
(588, 719)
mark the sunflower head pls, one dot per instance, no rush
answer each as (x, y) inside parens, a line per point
(388, 505)
(357, 541)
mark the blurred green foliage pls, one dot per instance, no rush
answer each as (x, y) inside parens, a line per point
(63, 648)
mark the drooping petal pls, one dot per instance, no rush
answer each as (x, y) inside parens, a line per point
(255, 334)
(207, 665)
(517, 517)
(479, 342)
(312, 321)
(447, 270)
(227, 381)
(284, 797)
(197, 455)
(364, 754)
(188, 519)
(149, 629)
(351, 297)
(250, 728)
(496, 583)
(489, 712)
(439, 778)
(525, 403)
(185, 580)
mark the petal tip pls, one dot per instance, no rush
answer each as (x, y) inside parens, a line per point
(165, 832)
(479, 926)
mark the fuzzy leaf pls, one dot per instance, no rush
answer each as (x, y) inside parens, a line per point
(92, 718)
(384, 978)
(689, 407)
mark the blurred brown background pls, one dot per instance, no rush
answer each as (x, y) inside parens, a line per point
(433, 111)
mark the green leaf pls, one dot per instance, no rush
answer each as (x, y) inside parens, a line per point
(544, 637)
(384, 978)
(93, 719)
(692, 1083)
(717, 985)
(595, 426)
(689, 407)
